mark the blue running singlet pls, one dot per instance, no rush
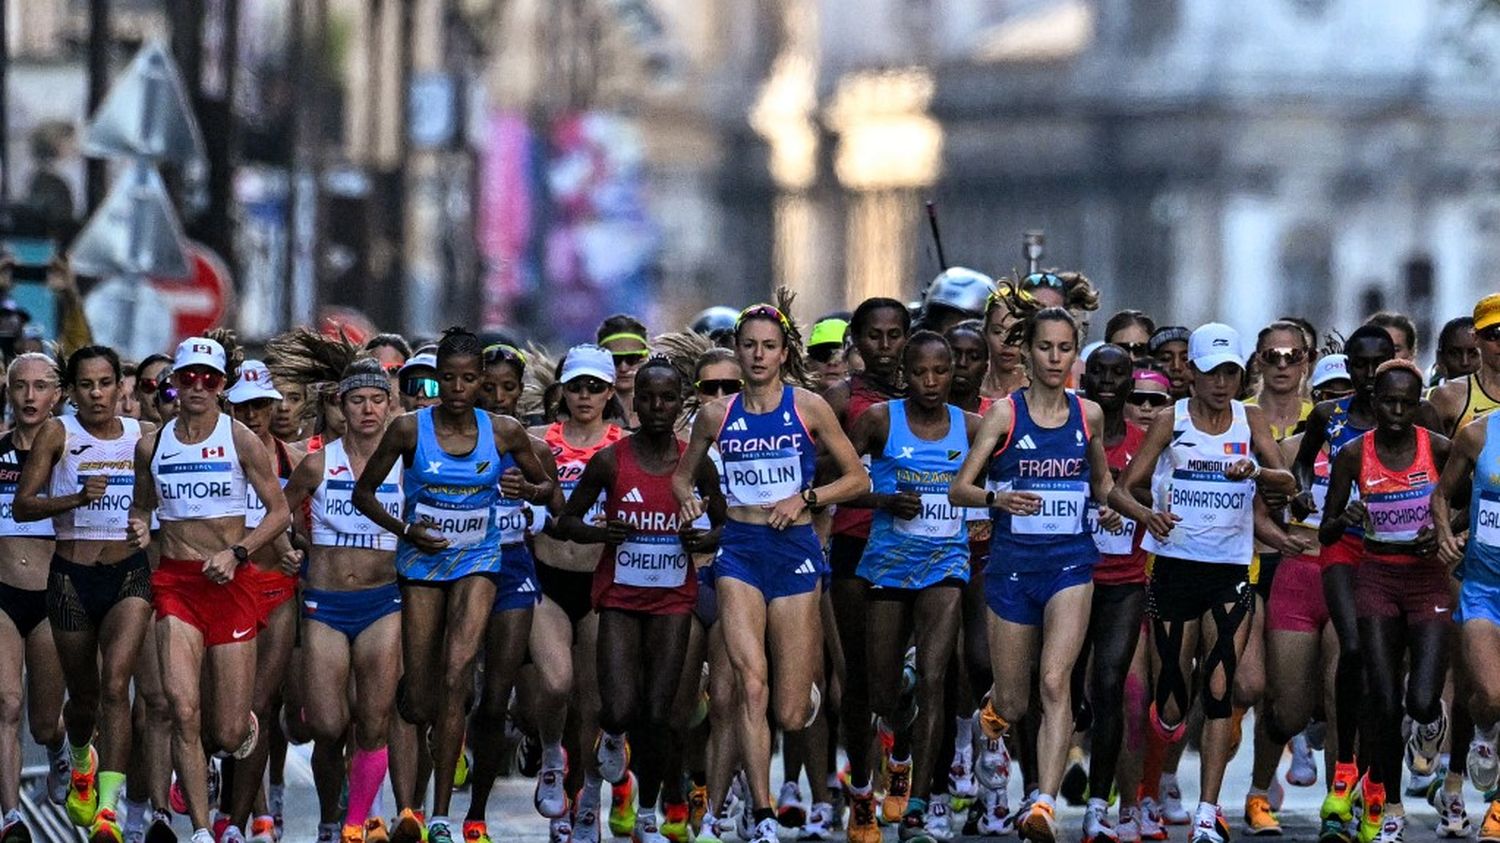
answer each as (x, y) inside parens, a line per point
(457, 493)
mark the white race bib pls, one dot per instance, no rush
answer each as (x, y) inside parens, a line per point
(1209, 504)
(511, 521)
(1063, 503)
(1397, 518)
(765, 479)
(461, 527)
(111, 512)
(938, 519)
(1487, 524)
(1114, 543)
(651, 561)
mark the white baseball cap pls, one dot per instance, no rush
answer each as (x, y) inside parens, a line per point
(199, 351)
(1331, 367)
(252, 381)
(1213, 345)
(588, 361)
(425, 360)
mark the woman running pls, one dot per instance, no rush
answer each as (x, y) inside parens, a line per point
(1402, 597)
(1466, 398)
(1131, 330)
(99, 589)
(1169, 348)
(563, 629)
(194, 473)
(624, 337)
(452, 457)
(1007, 370)
(508, 634)
(644, 587)
(351, 607)
(1041, 464)
(878, 329)
(29, 663)
(1474, 461)
(1202, 532)
(769, 566)
(1114, 688)
(917, 561)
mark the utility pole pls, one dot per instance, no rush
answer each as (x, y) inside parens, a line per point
(216, 35)
(4, 109)
(98, 69)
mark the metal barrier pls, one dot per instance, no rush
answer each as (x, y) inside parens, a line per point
(47, 821)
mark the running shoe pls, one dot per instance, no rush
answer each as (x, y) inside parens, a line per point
(529, 755)
(996, 819)
(708, 830)
(622, 808)
(961, 782)
(1452, 818)
(1038, 825)
(1489, 830)
(1303, 771)
(440, 832)
(1334, 830)
(992, 767)
(697, 805)
(232, 834)
(646, 830)
(464, 768)
(864, 827)
(409, 827)
(263, 830)
(83, 796)
(1260, 821)
(1425, 742)
(913, 827)
(476, 831)
(13, 828)
(1393, 830)
(791, 812)
(375, 831)
(838, 798)
(352, 834)
(1096, 828)
(675, 823)
(106, 828)
(586, 825)
(1172, 811)
(1205, 831)
(939, 819)
(58, 772)
(551, 795)
(276, 804)
(897, 791)
(1484, 769)
(1128, 829)
(1152, 828)
(160, 829)
(1370, 822)
(176, 798)
(765, 831)
(203, 835)
(1421, 785)
(816, 826)
(560, 830)
(1339, 803)
(613, 754)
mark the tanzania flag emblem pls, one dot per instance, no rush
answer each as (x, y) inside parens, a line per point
(954, 455)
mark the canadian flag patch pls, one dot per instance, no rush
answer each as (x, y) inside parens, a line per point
(213, 452)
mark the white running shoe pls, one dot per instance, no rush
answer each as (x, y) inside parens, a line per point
(59, 774)
(551, 795)
(992, 766)
(1172, 812)
(1484, 769)
(1424, 744)
(559, 830)
(1303, 771)
(646, 830)
(765, 831)
(1128, 829)
(1393, 830)
(791, 811)
(1096, 828)
(613, 755)
(818, 820)
(1206, 832)
(1152, 827)
(1452, 818)
(232, 834)
(938, 819)
(961, 781)
(996, 819)
(586, 824)
(203, 835)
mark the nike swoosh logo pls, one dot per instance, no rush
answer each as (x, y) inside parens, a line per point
(170, 456)
(239, 633)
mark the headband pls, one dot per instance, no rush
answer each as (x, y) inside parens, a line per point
(626, 335)
(1152, 377)
(363, 380)
(1166, 335)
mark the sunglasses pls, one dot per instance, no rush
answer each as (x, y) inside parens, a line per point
(420, 388)
(1136, 350)
(592, 386)
(630, 358)
(1283, 356)
(1489, 334)
(1149, 399)
(764, 311)
(1331, 394)
(205, 379)
(1043, 279)
(147, 385)
(719, 386)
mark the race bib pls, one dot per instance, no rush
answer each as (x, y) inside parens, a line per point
(1208, 504)
(1063, 502)
(764, 479)
(1398, 517)
(461, 527)
(595, 515)
(111, 512)
(1487, 520)
(511, 521)
(651, 561)
(938, 519)
(1114, 543)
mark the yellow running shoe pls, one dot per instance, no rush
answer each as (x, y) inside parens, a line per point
(410, 827)
(464, 767)
(375, 831)
(106, 828)
(1489, 830)
(83, 795)
(476, 832)
(1339, 803)
(1371, 821)
(622, 807)
(1039, 825)
(897, 790)
(352, 834)
(864, 827)
(1259, 819)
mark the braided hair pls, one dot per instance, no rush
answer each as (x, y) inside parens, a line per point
(459, 342)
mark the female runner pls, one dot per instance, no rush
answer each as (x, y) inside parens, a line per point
(28, 656)
(624, 337)
(917, 561)
(1041, 463)
(770, 564)
(1402, 597)
(1202, 532)
(453, 456)
(99, 590)
(644, 588)
(194, 472)
(350, 607)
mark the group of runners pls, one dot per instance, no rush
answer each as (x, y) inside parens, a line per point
(909, 547)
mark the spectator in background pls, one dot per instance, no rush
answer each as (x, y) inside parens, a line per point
(49, 193)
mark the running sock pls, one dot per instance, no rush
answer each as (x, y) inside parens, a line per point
(992, 724)
(762, 814)
(963, 734)
(553, 756)
(1208, 813)
(439, 821)
(366, 772)
(1257, 791)
(1044, 799)
(110, 785)
(81, 756)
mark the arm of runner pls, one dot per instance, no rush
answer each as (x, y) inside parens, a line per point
(705, 428)
(399, 440)
(868, 437)
(1453, 485)
(46, 450)
(305, 479)
(1138, 475)
(530, 481)
(853, 479)
(598, 475)
(1101, 482)
(967, 488)
(1267, 531)
(694, 539)
(1272, 479)
(1314, 437)
(143, 497)
(260, 476)
(1339, 513)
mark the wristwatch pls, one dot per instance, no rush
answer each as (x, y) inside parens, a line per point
(810, 497)
(240, 553)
